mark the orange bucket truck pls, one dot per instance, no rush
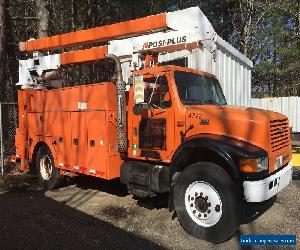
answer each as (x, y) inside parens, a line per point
(165, 129)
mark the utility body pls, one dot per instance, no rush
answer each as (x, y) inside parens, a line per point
(167, 129)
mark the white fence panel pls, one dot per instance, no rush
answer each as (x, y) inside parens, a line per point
(289, 106)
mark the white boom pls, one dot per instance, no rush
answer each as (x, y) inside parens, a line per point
(188, 28)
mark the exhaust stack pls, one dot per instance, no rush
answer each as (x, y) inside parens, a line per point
(121, 107)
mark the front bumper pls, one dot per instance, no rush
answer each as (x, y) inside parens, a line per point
(261, 190)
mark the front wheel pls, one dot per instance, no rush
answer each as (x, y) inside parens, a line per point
(206, 202)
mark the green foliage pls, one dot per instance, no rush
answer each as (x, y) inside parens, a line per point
(278, 63)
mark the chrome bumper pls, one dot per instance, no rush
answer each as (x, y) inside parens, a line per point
(258, 191)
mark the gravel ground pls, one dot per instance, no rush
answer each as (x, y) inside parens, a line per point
(97, 214)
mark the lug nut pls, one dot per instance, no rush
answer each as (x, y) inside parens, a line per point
(194, 211)
(196, 194)
(217, 208)
(192, 204)
(206, 198)
(208, 211)
(192, 198)
(205, 215)
(209, 204)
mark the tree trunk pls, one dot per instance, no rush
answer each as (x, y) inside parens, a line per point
(73, 16)
(2, 48)
(43, 17)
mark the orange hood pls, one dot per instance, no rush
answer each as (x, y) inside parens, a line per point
(247, 124)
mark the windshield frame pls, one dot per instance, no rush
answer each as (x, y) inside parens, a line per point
(217, 86)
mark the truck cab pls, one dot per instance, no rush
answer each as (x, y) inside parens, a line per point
(208, 154)
(175, 104)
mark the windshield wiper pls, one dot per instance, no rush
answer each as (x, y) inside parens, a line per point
(211, 102)
(189, 102)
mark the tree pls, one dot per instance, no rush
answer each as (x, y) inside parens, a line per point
(265, 31)
(277, 54)
(2, 47)
(43, 18)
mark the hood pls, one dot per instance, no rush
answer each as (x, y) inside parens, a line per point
(247, 124)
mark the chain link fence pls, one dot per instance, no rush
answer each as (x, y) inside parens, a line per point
(8, 125)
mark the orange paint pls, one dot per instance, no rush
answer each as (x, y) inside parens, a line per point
(253, 124)
(85, 140)
(76, 138)
(86, 55)
(98, 34)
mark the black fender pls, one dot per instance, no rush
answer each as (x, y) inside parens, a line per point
(222, 148)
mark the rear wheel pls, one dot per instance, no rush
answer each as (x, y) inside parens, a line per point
(206, 202)
(49, 176)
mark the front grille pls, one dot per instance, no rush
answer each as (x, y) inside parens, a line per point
(279, 134)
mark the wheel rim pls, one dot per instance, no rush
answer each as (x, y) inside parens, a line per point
(45, 167)
(203, 204)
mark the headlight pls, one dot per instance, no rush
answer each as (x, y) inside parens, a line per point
(262, 164)
(254, 165)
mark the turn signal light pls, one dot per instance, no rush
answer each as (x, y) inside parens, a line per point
(248, 165)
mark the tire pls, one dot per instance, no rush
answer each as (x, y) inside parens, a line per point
(49, 176)
(206, 202)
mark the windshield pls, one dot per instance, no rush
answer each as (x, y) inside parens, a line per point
(194, 89)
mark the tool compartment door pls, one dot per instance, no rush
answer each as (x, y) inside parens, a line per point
(79, 140)
(97, 149)
(55, 126)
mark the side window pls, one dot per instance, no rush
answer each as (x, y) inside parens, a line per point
(157, 92)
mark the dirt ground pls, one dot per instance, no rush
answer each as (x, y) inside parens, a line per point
(97, 214)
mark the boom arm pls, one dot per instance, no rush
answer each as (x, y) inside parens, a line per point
(195, 31)
(98, 34)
